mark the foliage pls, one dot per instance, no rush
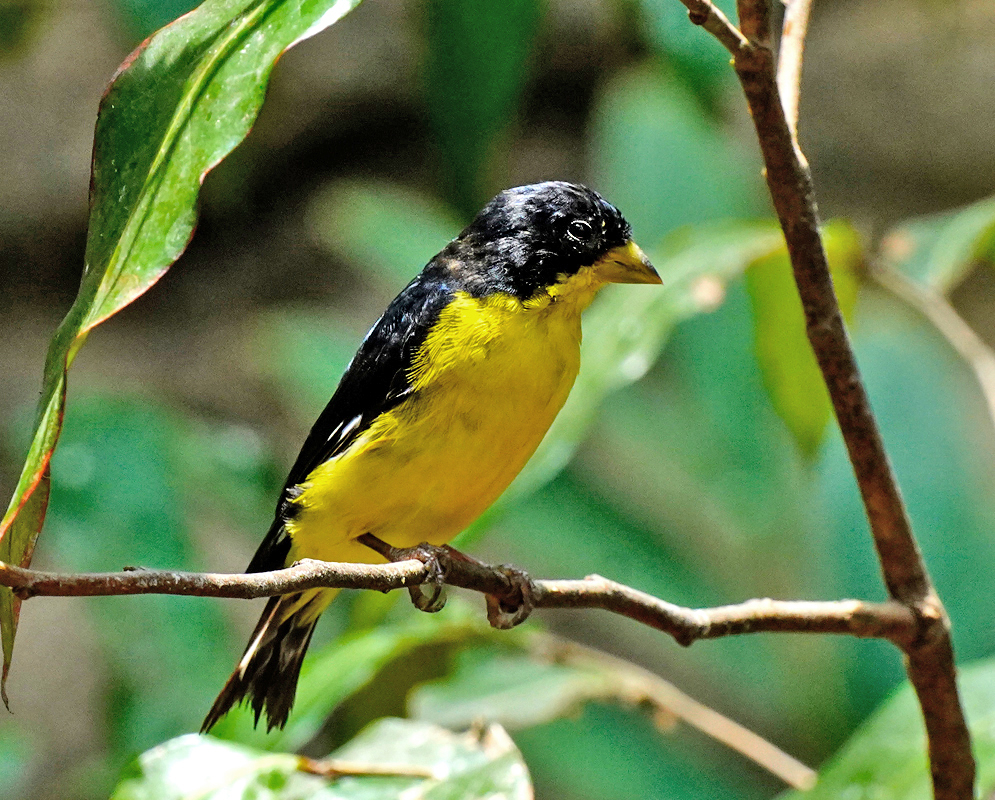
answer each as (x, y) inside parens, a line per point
(879, 763)
(791, 375)
(167, 118)
(694, 460)
(482, 764)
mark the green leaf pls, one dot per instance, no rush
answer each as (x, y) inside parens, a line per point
(886, 758)
(482, 764)
(177, 106)
(476, 66)
(790, 371)
(939, 250)
(476, 764)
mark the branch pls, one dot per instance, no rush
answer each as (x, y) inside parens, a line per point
(306, 574)
(890, 620)
(791, 189)
(711, 18)
(637, 686)
(789, 60)
(930, 661)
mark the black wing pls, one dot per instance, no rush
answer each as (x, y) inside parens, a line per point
(375, 381)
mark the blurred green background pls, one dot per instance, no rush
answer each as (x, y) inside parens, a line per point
(709, 477)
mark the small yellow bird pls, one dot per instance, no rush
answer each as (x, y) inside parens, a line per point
(448, 396)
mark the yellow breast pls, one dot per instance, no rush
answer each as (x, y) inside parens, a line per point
(488, 382)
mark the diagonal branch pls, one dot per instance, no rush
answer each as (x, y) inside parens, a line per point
(889, 620)
(637, 686)
(930, 659)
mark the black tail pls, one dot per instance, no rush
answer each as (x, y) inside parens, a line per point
(268, 670)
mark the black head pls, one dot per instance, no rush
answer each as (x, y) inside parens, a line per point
(527, 238)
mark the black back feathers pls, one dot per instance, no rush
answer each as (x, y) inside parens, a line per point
(519, 243)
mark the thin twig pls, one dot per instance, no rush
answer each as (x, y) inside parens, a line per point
(688, 625)
(711, 18)
(789, 60)
(890, 621)
(637, 686)
(333, 769)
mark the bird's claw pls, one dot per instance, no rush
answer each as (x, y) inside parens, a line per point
(505, 610)
(432, 558)
(429, 603)
(512, 608)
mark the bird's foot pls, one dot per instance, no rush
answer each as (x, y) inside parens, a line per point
(432, 557)
(506, 608)
(509, 609)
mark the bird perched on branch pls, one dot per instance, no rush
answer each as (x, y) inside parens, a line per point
(448, 396)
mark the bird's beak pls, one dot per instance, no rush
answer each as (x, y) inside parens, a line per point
(626, 264)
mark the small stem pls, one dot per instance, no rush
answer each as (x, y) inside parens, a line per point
(333, 769)
(789, 61)
(705, 14)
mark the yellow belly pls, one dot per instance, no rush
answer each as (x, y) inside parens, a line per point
(488, 383)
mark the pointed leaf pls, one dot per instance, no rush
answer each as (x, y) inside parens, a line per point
(178, 105)
(886, 758)
(939, 250)
(790, 372)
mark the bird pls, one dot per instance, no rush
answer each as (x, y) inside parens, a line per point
(448, 396)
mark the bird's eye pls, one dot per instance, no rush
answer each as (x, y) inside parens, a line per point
(580, 230)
